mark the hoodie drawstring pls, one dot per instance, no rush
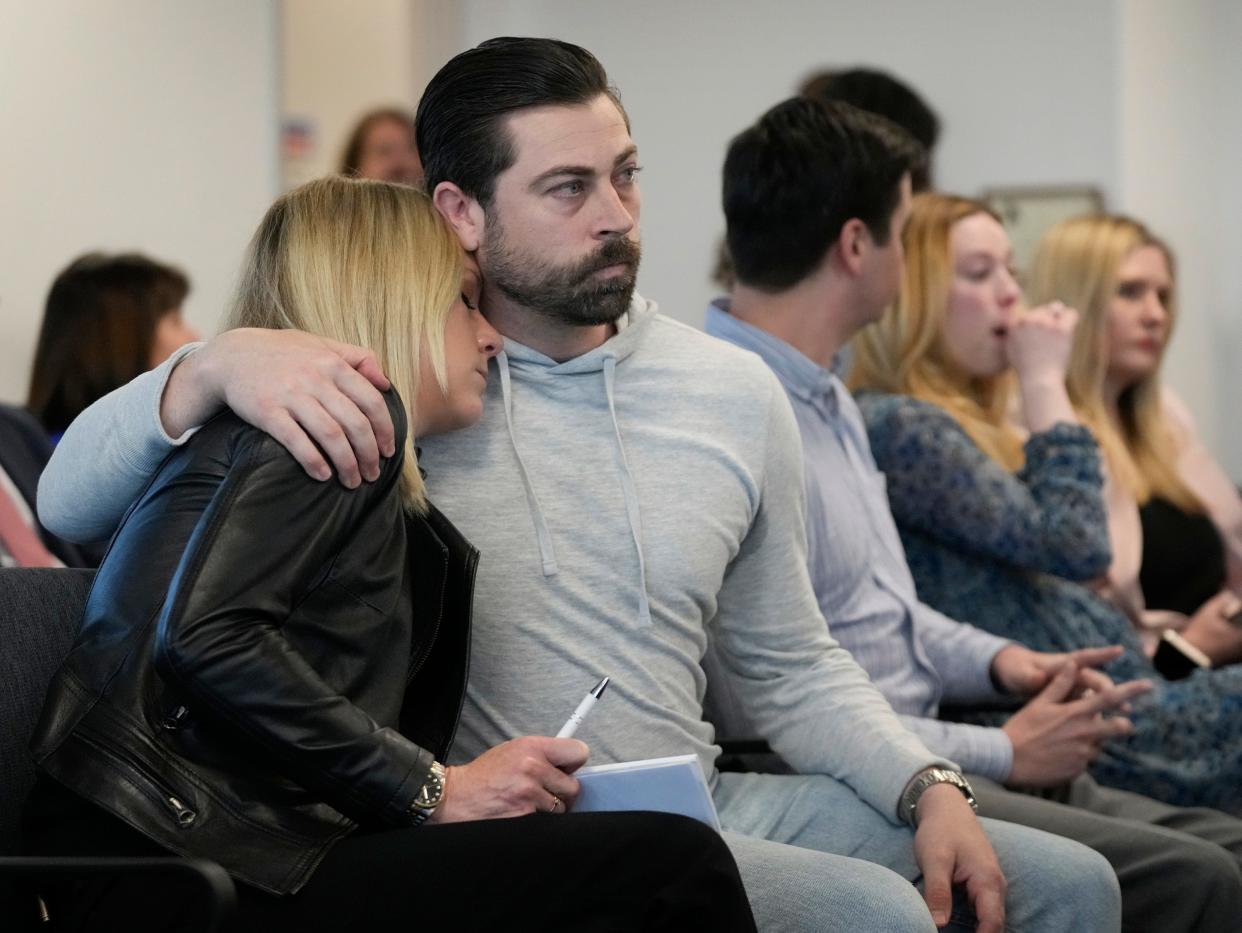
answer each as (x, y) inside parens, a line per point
(631, 496)
(546, 552)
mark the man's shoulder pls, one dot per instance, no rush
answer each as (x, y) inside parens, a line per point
(701, 354)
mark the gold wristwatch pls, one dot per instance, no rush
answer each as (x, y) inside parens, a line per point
(429, 795)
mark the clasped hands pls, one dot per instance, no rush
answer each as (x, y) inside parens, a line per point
(1074, 708)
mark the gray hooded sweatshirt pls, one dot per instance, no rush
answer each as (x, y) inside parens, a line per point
(627, 503)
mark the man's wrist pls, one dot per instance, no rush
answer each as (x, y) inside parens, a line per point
(925, 780)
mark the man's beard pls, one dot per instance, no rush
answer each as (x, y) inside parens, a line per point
(569, 294)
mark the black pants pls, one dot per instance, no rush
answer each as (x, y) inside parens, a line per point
(590, 871)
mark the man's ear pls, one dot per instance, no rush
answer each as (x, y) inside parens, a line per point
(852, 245)
(463, 213)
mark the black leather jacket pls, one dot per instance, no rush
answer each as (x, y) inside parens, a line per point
(266, 662)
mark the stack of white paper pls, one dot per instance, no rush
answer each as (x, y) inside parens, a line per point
(669, 785)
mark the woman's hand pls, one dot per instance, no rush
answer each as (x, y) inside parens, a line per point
(521, 776)
(1039, 344)
(1040, 340)
(308, 392)
(1211, 632)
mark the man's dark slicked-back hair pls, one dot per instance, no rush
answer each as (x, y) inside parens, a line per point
(794, 179)
(459, 121)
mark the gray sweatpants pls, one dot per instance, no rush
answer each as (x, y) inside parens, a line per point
(1180, 868)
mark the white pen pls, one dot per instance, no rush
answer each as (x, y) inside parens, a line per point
(574, 721)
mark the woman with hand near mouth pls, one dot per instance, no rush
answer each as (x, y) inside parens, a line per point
(1175, 518)
(996, 485)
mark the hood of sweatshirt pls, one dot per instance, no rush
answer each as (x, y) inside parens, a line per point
(520, 362)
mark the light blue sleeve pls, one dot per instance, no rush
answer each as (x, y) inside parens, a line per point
(961, 654)
(106, 457)
(979, 750)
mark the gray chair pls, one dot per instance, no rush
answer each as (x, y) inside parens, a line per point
(39, 615)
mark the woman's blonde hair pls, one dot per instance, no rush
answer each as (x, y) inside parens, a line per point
(904, 352)
(364, 262)
(1079, 262)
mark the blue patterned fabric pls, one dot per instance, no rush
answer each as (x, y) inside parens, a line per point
(1005, 550)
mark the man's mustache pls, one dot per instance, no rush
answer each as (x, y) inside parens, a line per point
(612, 253)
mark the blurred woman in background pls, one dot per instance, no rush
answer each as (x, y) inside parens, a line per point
(1175, 518)
(382, 147)
(107, 320)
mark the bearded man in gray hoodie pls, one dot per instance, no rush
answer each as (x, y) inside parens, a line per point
(632, 485)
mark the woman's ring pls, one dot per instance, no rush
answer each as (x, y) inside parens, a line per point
(556, 802)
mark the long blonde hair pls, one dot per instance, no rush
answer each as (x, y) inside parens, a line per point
(1078, 262)
(904, 352)
(364, 262)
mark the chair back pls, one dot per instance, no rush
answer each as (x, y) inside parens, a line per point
(40, 611)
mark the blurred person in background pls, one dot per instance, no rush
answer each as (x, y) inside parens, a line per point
(879, 92)
(108, 319)
(1175, 517)
(24, 542)
(876, 92)
(382, 147)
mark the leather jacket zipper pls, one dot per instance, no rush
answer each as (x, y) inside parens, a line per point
(152, 786)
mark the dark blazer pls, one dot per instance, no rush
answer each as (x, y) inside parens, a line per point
(24, 452)
(265, 661)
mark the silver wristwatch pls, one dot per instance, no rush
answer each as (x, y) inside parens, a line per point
(429, 795)
(908, 808)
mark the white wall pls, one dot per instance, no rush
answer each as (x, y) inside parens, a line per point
(1135, 97)
(343, 59)
(1027, 95)
(1181, 148)
(153, 125)
(130, 124)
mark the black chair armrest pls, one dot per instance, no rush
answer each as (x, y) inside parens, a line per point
(219, 896)
(750, 755)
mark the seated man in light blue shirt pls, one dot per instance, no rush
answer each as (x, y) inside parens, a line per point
(816, 245)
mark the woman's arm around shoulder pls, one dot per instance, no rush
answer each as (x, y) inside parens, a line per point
(107, 456)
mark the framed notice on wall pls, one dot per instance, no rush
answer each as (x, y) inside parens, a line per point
(1028, 213)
